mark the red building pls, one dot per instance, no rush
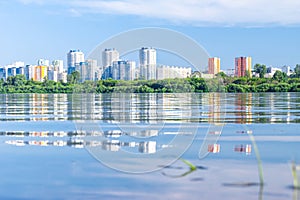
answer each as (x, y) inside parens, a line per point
(242, 66)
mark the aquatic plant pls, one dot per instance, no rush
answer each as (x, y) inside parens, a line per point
(259, 165)
(256, 151)
(192, 168)
(295, 176)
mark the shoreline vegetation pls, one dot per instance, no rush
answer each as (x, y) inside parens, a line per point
(221, 83)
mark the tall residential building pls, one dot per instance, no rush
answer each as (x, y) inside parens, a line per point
(58, 66)
(213, 65)
(62, 77)
(242, 66)
(14, 69)
(43, 62)
(88, 70)
(108, 57)
(29, 72)
(40, 73)
(52, 75)
(123, 70)
(147, 63)
(75, 57)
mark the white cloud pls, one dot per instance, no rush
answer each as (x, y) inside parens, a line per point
(196, 12)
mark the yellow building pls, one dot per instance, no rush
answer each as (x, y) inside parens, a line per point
(40, 72)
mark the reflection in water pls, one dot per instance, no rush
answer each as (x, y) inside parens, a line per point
(108, 145)
(243, 148)
(174, 110)
(153, 108)
(244, 108)
(214, 148)
(111, 140)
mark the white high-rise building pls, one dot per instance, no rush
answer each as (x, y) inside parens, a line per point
(52, 75)
(123, 70)
(62, 77)
(29, 72)
(75, 57)
(109, 56)
(58, 66)
(88, 70)
(147, 63)
(43, 62)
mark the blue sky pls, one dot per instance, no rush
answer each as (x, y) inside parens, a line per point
(266, 30)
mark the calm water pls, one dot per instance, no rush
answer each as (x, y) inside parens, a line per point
(115, 146)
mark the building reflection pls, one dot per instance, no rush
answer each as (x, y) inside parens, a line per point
(212, 108)
(214, 113)
(214, 148)
(146, 147)
(243, 106)
(243, 148)
(111, 141)
(33, 107)
(151, 108)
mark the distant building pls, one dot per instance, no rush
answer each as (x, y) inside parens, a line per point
(109, 56)
(229, 72)
(214, 65)
(207, 76)
(58, 66)
(14, 69)
(123, 70)
(52, 75)
(147, 63)
(165, 72)
(287, 69)
(62, 77)
(40, 73)
(29, 72)
(271, 71)
(74, 57)
(242, 66)
(88, 70)
(43, 62)
(98, 74)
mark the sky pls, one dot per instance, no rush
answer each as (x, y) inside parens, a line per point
(266, 30)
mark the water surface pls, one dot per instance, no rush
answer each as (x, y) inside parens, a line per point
(48, 145)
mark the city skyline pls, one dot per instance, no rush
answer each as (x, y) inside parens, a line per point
(112, 66)
(50, 28)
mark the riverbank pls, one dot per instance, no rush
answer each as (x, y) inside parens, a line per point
(19, 84)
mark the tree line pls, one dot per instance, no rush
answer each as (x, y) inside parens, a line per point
(280, 82)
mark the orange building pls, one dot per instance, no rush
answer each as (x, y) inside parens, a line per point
(242, 66)
(214, 65)
(40, 72)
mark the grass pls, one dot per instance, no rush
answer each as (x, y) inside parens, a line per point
(256, 151)
(192, 168)
(295, 176)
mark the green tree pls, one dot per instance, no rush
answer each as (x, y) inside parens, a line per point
(74, 77)
(279, 76)
(297, 71)
(221, 74)
(260, 69)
